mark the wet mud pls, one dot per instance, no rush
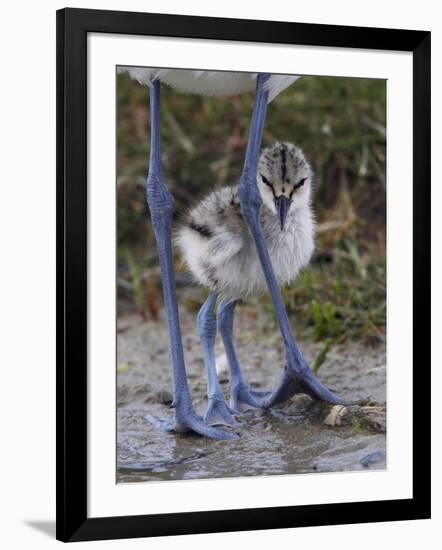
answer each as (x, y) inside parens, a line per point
(299, 437)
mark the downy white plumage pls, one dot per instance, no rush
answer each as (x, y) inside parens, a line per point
(216, 244)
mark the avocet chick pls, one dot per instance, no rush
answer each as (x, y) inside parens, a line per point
(219, 251)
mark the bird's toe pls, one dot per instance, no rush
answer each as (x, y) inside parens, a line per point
(243, 398)
(260, 396)
(162, 425)
(219, 413)
(189, 421)
(296, 380)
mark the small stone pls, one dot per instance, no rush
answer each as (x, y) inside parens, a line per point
(334, 418)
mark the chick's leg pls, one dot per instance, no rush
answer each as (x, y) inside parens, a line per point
(241, 396)
(217, 410)
(161, 205)
(297, 376)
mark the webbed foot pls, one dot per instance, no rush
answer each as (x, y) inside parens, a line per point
(218, 412)
(188, 421)
(242, 398)
(295, 380)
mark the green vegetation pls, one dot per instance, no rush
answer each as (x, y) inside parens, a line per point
(334, 302)
(340, 124)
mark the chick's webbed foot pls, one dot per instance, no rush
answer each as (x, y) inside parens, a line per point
(187, 420)
(243, 398)
(218, 413)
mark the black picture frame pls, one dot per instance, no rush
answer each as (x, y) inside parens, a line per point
(73, 25)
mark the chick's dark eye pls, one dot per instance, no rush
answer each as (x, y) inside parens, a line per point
(301, 182)
(265, 180)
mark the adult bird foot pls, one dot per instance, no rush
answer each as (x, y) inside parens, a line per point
(295, 381)
(218, 412)
(188, 421)
(243, 398)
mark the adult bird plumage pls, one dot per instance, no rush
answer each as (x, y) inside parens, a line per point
(250, 194)
(209, 83)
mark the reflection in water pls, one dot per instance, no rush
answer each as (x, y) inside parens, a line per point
(272, 442)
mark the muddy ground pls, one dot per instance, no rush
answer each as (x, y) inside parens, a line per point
(294, 438)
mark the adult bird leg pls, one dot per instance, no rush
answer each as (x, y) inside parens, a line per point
(161, 205)
(241, 396)
(297, 376)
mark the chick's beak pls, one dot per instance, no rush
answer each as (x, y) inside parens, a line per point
(282, 204)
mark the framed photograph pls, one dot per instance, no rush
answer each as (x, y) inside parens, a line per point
(243, 275)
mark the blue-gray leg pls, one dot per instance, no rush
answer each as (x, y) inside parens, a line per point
(297, 376)
(241, 396)
(217, 410)
(161, 205)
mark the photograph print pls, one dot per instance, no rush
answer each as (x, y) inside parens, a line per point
(251, 274)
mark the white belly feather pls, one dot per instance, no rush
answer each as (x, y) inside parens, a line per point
(290, 250)
(227, 261)
(210, 83)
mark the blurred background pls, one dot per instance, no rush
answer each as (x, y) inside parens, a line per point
(341, 125)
